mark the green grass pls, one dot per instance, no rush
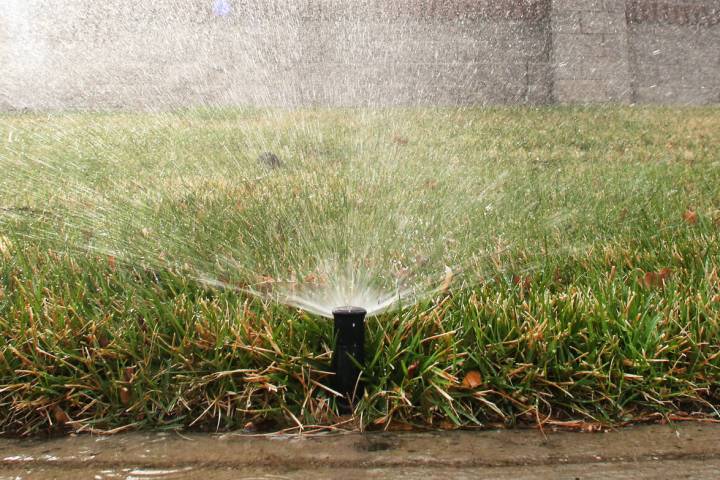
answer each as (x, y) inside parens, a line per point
(589, 293)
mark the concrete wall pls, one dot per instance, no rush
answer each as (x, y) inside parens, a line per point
(60, 54)
(590, 51)
(674, 49)
(425, 52)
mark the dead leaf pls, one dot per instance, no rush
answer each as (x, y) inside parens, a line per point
(111, 262)
(60, 416)
(250, 427)
(655, 279)
(102, 340)
(380, 421)
(447, 425)
(690, 217)
(524, 283)
(592, 427)
(472, 379)
(413, 368)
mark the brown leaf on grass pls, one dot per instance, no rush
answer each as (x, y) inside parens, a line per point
(593, 427)
(690, 217)
(447, 425)
(524, 281)
(380, 421)
(655, 279)
(472, 379)
(400, 140)
(102, 340)
(250, 427)
(315, 279)
(59, 415)
(412, 369)
(125, 396)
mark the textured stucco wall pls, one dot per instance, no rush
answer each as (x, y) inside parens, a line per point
(148, 54)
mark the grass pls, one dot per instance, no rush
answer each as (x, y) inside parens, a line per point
(587, 239)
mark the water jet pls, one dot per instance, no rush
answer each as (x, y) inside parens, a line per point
(349, 354)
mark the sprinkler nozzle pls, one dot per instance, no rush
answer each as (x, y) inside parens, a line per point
(349, 354)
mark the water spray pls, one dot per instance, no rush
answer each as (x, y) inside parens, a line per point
(349, 354)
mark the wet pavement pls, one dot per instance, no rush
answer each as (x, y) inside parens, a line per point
(677, 451)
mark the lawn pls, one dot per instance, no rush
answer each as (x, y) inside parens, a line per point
(555, 267)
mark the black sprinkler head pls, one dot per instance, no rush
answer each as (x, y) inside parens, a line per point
(349, 354)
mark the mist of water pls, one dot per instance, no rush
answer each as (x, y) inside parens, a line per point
(380, 191)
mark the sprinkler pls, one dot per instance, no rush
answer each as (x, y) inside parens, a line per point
(349, 354)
